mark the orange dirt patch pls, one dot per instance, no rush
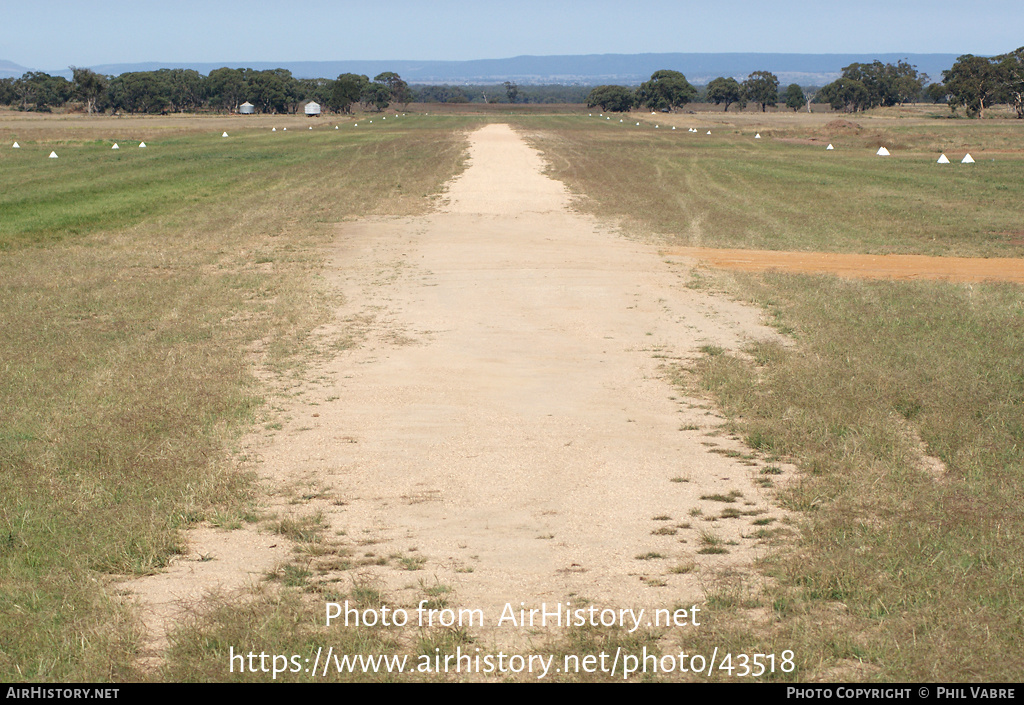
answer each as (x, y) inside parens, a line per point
(961, 269)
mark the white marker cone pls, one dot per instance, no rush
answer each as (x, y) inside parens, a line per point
(943, 159)
(757, 136)
(311, 127)
(16, 146)
(142, 145)
(882, 152)
(274, 130)
(335, 127)
(226, 134)
(286, 129)
(53, 155)
(673, 127)
(829, 147)
(115, 146)
(638, 124)
(967, 160)
(709, 132)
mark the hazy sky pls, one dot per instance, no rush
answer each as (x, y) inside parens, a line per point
(53, 34)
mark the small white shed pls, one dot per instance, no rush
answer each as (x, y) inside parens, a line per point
(247, 108)
(312, 109)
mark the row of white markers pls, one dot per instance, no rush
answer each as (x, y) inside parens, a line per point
(943, 159)
(882, 151)
(53, 155)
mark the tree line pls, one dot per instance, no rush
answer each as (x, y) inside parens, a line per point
(273, 91)
(667, 90)
(507, 92)
(974, 83)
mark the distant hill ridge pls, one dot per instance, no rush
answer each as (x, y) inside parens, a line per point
(589, 69)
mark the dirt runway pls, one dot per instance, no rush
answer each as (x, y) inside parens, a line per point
(497, 425)
(503, 425)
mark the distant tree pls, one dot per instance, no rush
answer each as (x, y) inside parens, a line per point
(795, 97)
(666, 90)
(555, 94)
(90, 87)
(888, 84)
(139, 92)
(40, 91)
(810, 96)
(376, 94)
(512, 91)
(726, 90)
(346, 91)
(907, 83)
(7, 93)
(226, 88)
(873, 79)
(551, 93)
(318, 90)
(973, 82)
(440, 94)
(273, 91)
(936, 92)
(185, 89)
(1012, 69)
(398, 90)
(845, 94)
(762, 87)
(615, 99)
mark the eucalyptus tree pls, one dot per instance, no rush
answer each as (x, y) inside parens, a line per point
(89, 86)
(666, 90)
(974, 82)
(226, 88)
(762, 87)
(347, 90)
(795, 97)
(728, 91)
(616, 99)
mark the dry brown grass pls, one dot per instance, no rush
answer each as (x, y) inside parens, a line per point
(128, 340)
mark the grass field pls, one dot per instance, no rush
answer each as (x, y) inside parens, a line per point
(138, 286)
(905, 568)
(785, 192)
(134, 285)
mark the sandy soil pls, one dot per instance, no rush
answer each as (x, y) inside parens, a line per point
(501, 423)
(959, 269)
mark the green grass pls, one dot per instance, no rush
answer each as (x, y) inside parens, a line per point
(892, 549)
(133, 284)
(729, 191)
